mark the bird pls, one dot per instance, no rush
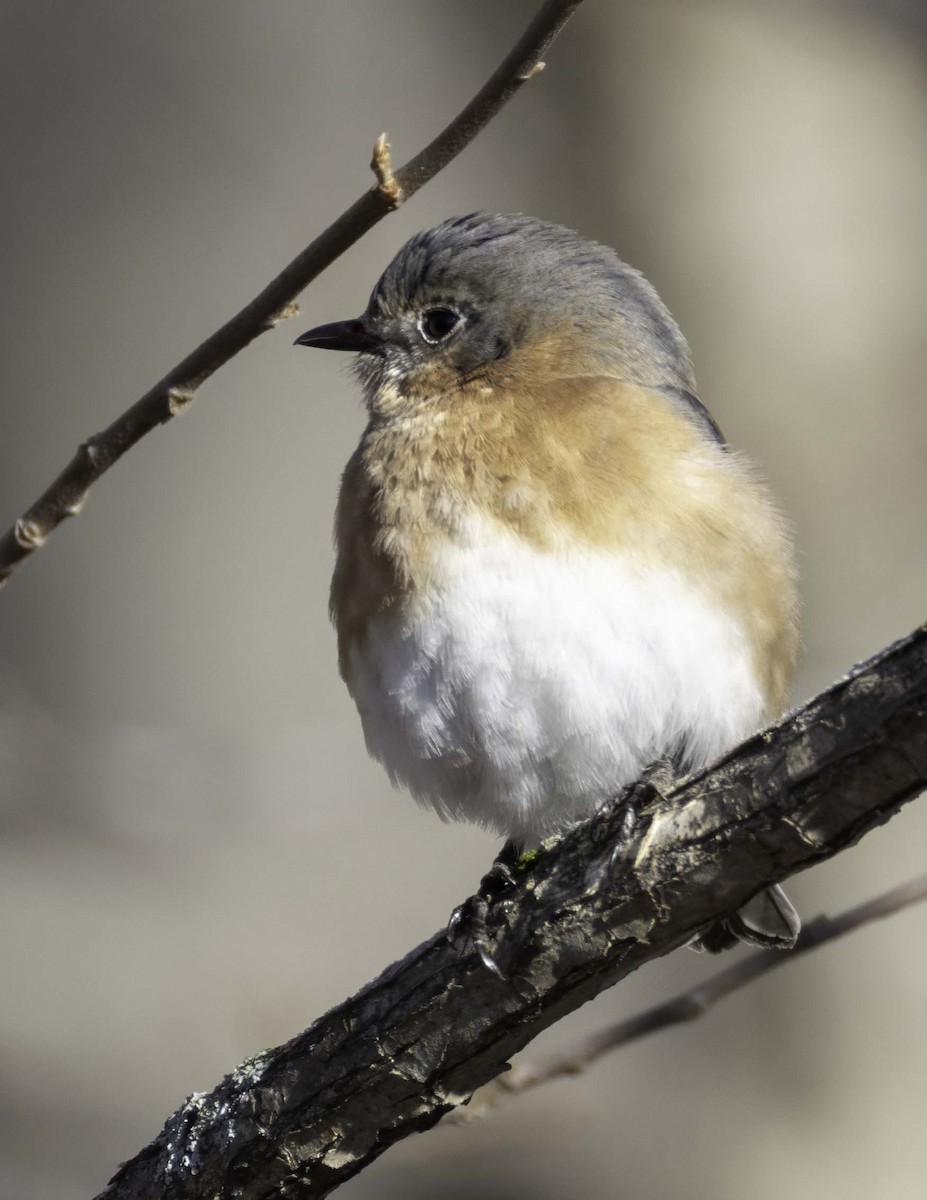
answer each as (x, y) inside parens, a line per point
(551, 569)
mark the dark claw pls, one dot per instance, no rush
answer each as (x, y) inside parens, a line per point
(657, 779)
(661, 776)
(467, 926)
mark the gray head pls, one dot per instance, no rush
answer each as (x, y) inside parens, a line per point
(476, 289)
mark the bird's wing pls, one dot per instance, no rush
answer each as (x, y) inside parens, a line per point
(695, 410)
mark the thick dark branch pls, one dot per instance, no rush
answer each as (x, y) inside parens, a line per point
(613, 894)
(176, 391)
(690, 1004)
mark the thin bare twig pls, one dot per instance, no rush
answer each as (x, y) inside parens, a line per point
(66, 495)
(686, 1006)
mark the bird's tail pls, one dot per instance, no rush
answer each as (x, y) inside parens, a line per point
(768, 920)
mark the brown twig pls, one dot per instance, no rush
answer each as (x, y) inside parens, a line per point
(686, 1006)
(66, 495)
(618, 891)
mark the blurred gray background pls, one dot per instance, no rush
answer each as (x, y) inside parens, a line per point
(197, 858)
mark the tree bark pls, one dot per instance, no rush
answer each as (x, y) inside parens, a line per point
(626, 887)
(689, 1005)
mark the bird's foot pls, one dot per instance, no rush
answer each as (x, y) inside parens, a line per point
(468, 924)
(654, 782)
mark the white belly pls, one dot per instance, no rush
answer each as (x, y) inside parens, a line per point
(529, 687)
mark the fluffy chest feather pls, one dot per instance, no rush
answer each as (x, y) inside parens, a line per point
(528, 686)
(539, 592)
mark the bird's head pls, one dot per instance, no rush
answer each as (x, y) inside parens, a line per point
(495, 296)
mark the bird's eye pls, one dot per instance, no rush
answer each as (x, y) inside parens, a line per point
(437, 323)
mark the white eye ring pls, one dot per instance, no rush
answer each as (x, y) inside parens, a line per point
(438, 323)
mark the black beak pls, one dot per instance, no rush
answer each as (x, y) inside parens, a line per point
(341, 335)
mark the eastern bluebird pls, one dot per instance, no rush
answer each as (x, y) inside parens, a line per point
(551, 570)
